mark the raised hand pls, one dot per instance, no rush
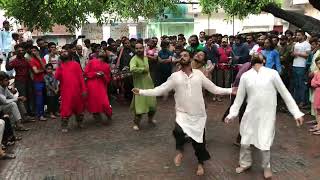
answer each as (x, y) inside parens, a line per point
(135, 91)
(299, 121)
(100, 73)
(234, 91)
(228, 120)
(22, 98)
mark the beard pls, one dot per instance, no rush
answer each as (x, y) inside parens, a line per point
(196, 64)
(194, 44)
(184, 62)
(20, 55)
(64, 58)
(283, 44)
(256, 61)
(140, 53)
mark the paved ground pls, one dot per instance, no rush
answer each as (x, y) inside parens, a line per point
(117, 152)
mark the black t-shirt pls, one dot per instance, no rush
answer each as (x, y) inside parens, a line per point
(127, 55)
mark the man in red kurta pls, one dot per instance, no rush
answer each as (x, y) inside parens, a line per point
(97, 73)
(72, 89)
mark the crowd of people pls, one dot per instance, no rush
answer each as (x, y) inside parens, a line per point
(41, 80)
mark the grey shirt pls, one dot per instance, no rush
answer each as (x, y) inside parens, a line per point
(6, 97)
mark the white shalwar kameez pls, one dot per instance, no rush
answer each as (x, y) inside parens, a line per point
(191, 114)
(258, 122)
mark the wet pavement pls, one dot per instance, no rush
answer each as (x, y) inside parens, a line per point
(117, 152)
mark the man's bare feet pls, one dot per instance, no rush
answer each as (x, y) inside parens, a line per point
(80, 125)
(242, 169)
(52, 116)
(178, 159)
(152, 122)
(136, 128)
(236, 144)
(64, 130)
(267, 173)
(41, 118)
(200, 171)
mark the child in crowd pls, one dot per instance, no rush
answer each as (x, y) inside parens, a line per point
(52, 91)
(38, 68)
(315, 83)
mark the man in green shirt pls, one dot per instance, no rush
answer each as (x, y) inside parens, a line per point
(195, 45)
(140, 105)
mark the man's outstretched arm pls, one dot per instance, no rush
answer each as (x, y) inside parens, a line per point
(241, 94)
(158, 91)
(288, 99)
(211, 87)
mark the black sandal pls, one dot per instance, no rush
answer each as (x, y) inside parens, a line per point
(16, 138)
(29, 121)
(3, 147)
(10, 143)
(7, 156)
(316, 132)
(22, 129)
(313, 129)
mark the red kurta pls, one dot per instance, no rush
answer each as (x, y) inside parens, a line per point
(315, 83)
(98, 101)
(71, 88)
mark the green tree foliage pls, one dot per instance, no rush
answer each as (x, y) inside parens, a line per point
(44, 14)
(238, 8)
(242, 8)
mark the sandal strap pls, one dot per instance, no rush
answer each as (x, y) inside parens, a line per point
(7, 156)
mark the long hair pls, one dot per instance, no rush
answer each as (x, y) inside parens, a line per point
(3, 75)
(164, 44)
(317, 59)
(257, 58)
(272, 45)
(197, 39)
(103, 56)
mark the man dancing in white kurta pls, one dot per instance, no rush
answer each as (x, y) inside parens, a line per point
(190, 109)
(257, 127)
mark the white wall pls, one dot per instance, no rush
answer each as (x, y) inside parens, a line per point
(219, 22)
(297, 2)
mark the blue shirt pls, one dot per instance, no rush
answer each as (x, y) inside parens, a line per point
(165, 54)
(44, 52)
(6, 39)
(212, 54)
(272, 59)
(242, 51)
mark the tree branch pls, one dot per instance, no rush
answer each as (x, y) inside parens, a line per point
(315, 4)
(306, 23)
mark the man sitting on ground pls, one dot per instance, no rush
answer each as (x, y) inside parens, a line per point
(8, 103)
(3, 154)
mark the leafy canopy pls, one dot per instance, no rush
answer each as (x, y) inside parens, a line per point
(238, 8)
(44, 14)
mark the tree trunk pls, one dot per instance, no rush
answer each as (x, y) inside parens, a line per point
(315, 4)
(306, 23)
